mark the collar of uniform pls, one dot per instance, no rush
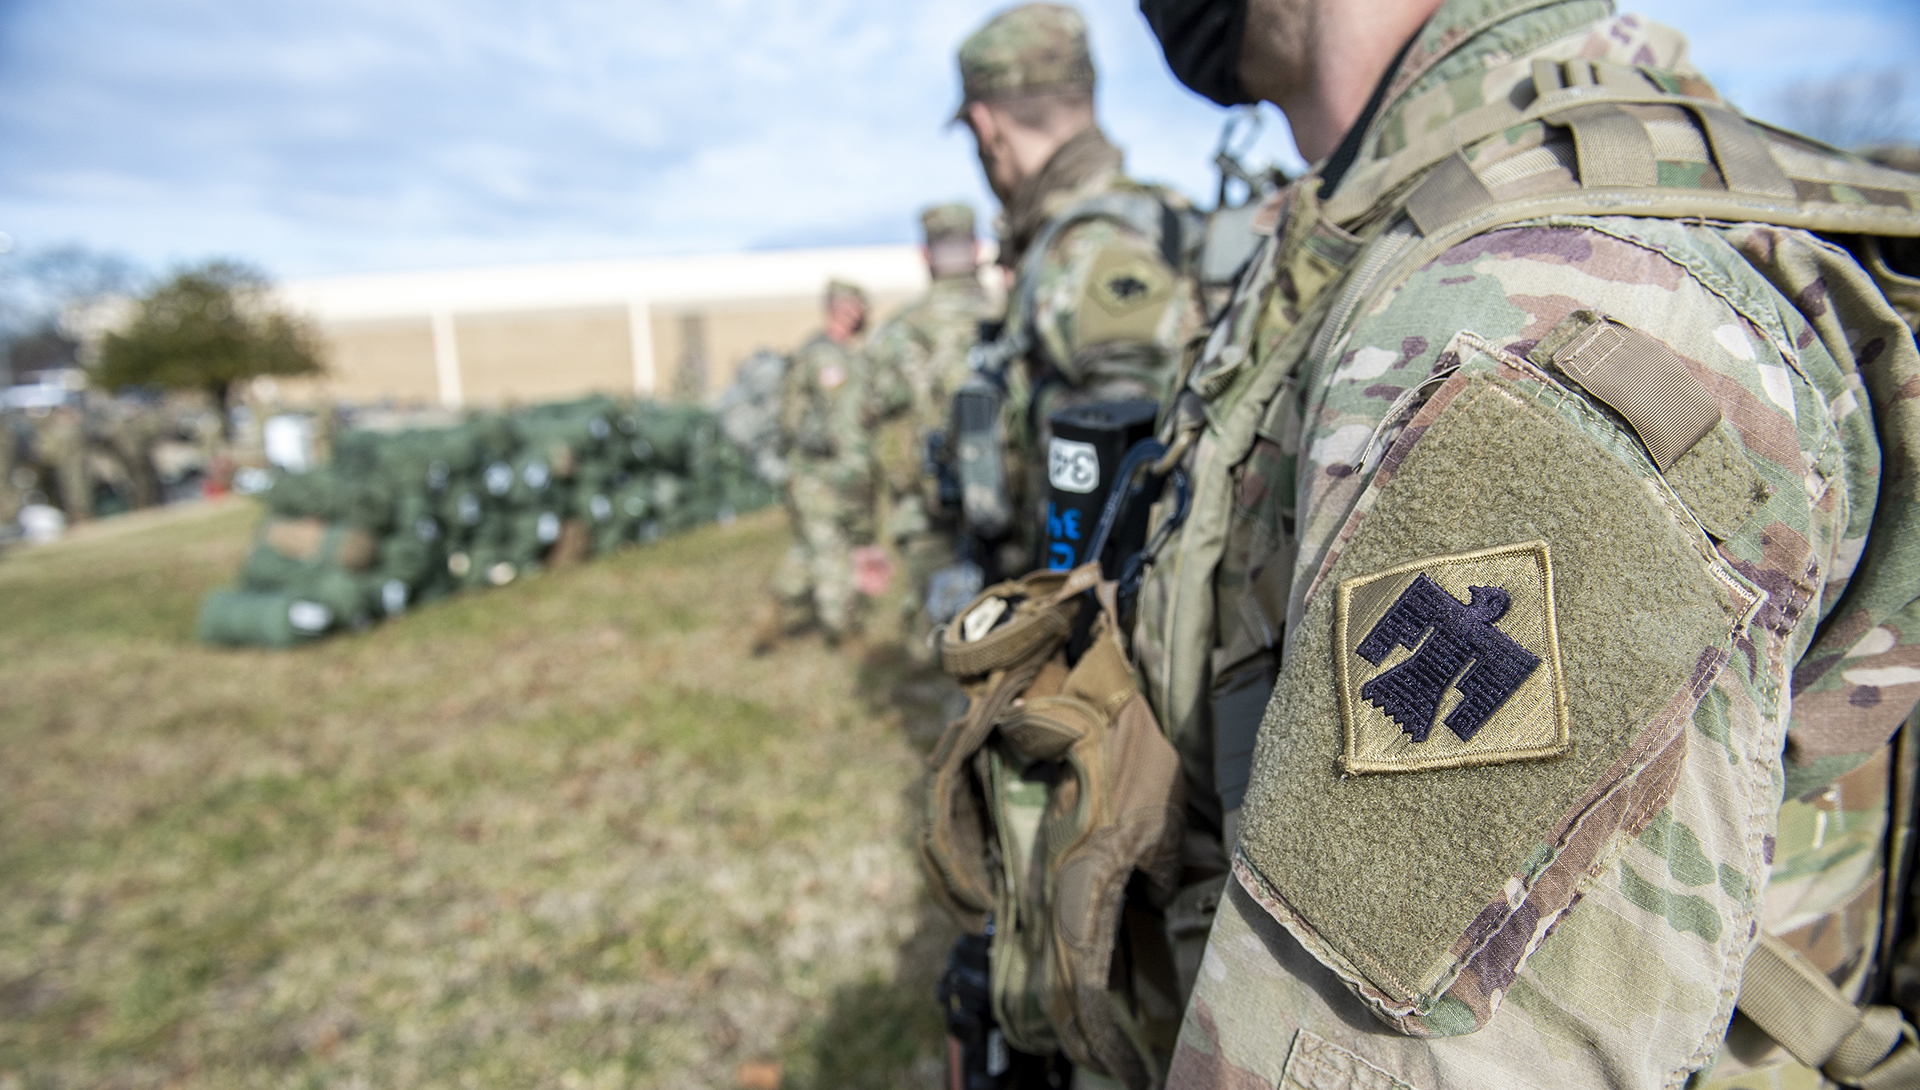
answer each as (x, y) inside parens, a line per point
(1464, 35)
(1086, 157)
(952, 283)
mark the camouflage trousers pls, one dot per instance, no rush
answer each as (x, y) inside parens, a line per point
(76, 488)
(814, 583)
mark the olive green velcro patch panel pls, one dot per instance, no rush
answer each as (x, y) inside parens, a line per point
(1451, 661)
(1718, 483)
(1124, 298)
(1389, 878)
(1637, 376)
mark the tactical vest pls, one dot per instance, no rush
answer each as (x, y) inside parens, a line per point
(979, 430)
(1627, 127)
(1177, 233)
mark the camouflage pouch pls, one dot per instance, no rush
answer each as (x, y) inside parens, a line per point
(1053, 825)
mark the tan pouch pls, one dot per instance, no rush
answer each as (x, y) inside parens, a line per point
(1054, 819)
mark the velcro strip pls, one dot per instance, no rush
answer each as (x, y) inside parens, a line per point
(1637, 376)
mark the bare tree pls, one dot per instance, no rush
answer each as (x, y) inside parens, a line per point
(40, 289)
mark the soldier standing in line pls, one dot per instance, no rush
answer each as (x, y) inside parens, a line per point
(829, 489)
(1101, 299)
(131, 432)
(10, 496)
(917, 360)
(60, 443)
(1538, 638)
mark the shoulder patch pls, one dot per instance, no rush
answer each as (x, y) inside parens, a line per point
(1439, 611)
(1125, 294)
(1464, 643)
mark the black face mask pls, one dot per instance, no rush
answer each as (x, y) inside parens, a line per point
(1201, 39)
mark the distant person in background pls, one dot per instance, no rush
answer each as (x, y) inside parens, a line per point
(918, 359)
(829, 488)
(60, 442)
(1099, 306)
(11, 497)
(132, 431)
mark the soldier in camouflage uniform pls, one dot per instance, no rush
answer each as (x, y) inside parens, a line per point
(10, 495)
(1100, 301)
(829, 489)
(60, 444)
(917, 360)
(1539, 635)
(131, 432)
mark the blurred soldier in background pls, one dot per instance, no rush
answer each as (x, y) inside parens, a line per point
(1101, 301)
(60, 445)
(11, 497)
(918, 359)
(131, 431)
(829, 487)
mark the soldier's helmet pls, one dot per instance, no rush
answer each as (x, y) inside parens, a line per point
(948, 222)
(1028, 50)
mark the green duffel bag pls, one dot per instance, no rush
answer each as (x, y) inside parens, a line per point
(287, 552)
(460, 509)
(332, 496)
(668, 435)
(488, 566)
(530, 534)
(356, 452)
(244, 618)
(411, 556)
(350, 597)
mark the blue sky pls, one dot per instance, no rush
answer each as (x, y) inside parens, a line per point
(330, 136)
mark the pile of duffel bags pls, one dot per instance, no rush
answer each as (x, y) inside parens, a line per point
(401, 518)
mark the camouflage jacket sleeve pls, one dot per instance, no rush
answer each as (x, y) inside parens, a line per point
(894, 355)
(822, 396)
(1109, 313)
(1516, 813)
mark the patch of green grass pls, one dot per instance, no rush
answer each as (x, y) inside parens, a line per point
(565, 832)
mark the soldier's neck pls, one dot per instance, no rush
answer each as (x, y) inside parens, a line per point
(1320, 61)
(1073, 162)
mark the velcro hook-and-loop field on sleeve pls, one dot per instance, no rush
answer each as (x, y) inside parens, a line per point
(1418, 825)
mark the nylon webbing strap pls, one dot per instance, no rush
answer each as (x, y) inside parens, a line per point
(1805, 1014)
(1639, 377)
(1745, 164)
(1613, 146)
(1548, 76)
(1450, 193)
(1036, 627)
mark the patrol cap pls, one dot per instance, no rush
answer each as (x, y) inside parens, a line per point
(947, 221)
(838, 287)
(1031, 49)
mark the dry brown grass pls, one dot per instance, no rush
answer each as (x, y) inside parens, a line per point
(566, 833)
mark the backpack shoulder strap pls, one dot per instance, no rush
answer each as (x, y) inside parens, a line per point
(1764, 174)
(1804, 1013)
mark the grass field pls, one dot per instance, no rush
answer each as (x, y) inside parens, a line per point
(565, 833)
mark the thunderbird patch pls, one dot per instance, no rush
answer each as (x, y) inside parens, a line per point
(1466, 643)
